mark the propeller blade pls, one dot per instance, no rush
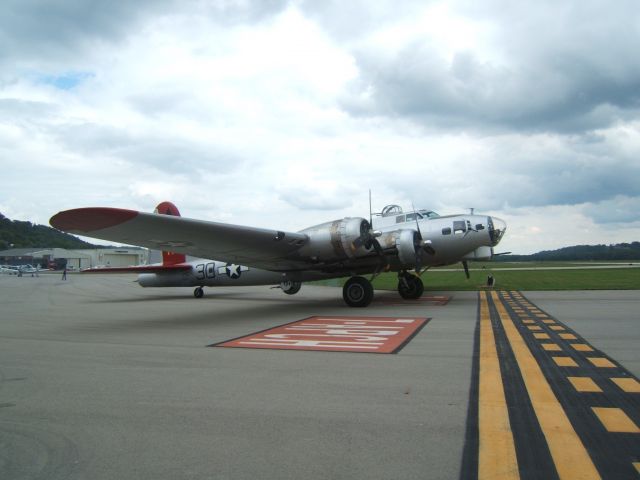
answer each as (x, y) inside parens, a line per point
(357, 243)
(415, 216)
(429, 249)
(376, 246)
(418, 242)
(379, 252)
(466, 268)
(417, 246)
(423, 243)
(365, 237)
(368, 239)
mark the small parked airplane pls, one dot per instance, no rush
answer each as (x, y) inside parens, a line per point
(19, 269)
(9, 269)
(407, 243)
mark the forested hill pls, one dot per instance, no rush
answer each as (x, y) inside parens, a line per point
(620, 251)
(17, 234)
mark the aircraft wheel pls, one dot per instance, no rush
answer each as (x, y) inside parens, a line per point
(357, 292)
(410, 287)
(289, 287)
(198, 292)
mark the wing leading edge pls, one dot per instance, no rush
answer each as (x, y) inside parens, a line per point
(261, 248)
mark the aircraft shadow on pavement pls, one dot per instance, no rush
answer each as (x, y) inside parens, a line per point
(223, 307)
(216, 297)
(272, 310)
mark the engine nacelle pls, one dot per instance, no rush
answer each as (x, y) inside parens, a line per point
(337, 240)
(406, 245)
(405, 241)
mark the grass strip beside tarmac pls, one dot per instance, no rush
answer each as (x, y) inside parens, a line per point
(579, 279)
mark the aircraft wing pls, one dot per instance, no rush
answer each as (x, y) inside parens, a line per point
(257, 247)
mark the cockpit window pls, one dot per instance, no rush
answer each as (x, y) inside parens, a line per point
(411, 217)
(446, 231)
(459, 226)
(400, 219)
(428, 214)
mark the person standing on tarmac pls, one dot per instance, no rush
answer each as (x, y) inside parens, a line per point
(64, 273)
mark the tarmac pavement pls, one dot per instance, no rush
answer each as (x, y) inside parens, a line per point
(102, 379)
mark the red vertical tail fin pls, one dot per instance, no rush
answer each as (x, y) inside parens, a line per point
(170, 258)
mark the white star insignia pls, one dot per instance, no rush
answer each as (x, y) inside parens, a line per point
(233, 270)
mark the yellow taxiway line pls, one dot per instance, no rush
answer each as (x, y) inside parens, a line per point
(496, 453)
(567, 450)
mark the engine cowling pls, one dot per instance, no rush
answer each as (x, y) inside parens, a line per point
(407, 244)
(338, 240)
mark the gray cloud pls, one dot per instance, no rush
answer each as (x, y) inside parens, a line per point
(17, 111)
(347, 21)
(565, 69)
(44, 31)
(620, 210)
(308, 197)
(166, 153)
(39, 33)
(568, 177)
(241, 11)
(518, 171)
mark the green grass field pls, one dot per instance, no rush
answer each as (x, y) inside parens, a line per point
(533, 279)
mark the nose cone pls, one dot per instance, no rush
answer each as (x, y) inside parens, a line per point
(497, 227)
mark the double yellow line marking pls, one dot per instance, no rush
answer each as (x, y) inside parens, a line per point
(497, 453)
(567, 450)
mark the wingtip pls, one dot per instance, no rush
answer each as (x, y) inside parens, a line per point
(84, 220)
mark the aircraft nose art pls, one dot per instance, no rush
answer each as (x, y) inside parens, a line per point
(84, 220)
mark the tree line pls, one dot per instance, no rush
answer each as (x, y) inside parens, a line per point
(18, 234)
(619, 251)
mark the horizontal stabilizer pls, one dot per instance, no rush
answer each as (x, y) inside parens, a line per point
(156, 268)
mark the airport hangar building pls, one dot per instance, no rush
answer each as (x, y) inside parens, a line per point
(79, 259)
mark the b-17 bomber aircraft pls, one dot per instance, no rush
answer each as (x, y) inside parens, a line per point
(393, 240)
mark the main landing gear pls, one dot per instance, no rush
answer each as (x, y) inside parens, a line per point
(357, 292)
(290, 287)
(410, 287)
(198, 292)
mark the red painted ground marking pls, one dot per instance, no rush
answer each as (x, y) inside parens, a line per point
(336, 334)
(438, 300)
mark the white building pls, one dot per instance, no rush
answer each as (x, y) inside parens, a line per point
(80, 259)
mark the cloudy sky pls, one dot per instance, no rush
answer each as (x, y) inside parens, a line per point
(283, 114)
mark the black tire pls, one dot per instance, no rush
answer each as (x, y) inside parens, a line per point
(198, 292)
(412, 289)
(357, 292)
(290, 287)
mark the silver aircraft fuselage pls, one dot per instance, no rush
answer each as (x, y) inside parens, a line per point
(453, 238)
